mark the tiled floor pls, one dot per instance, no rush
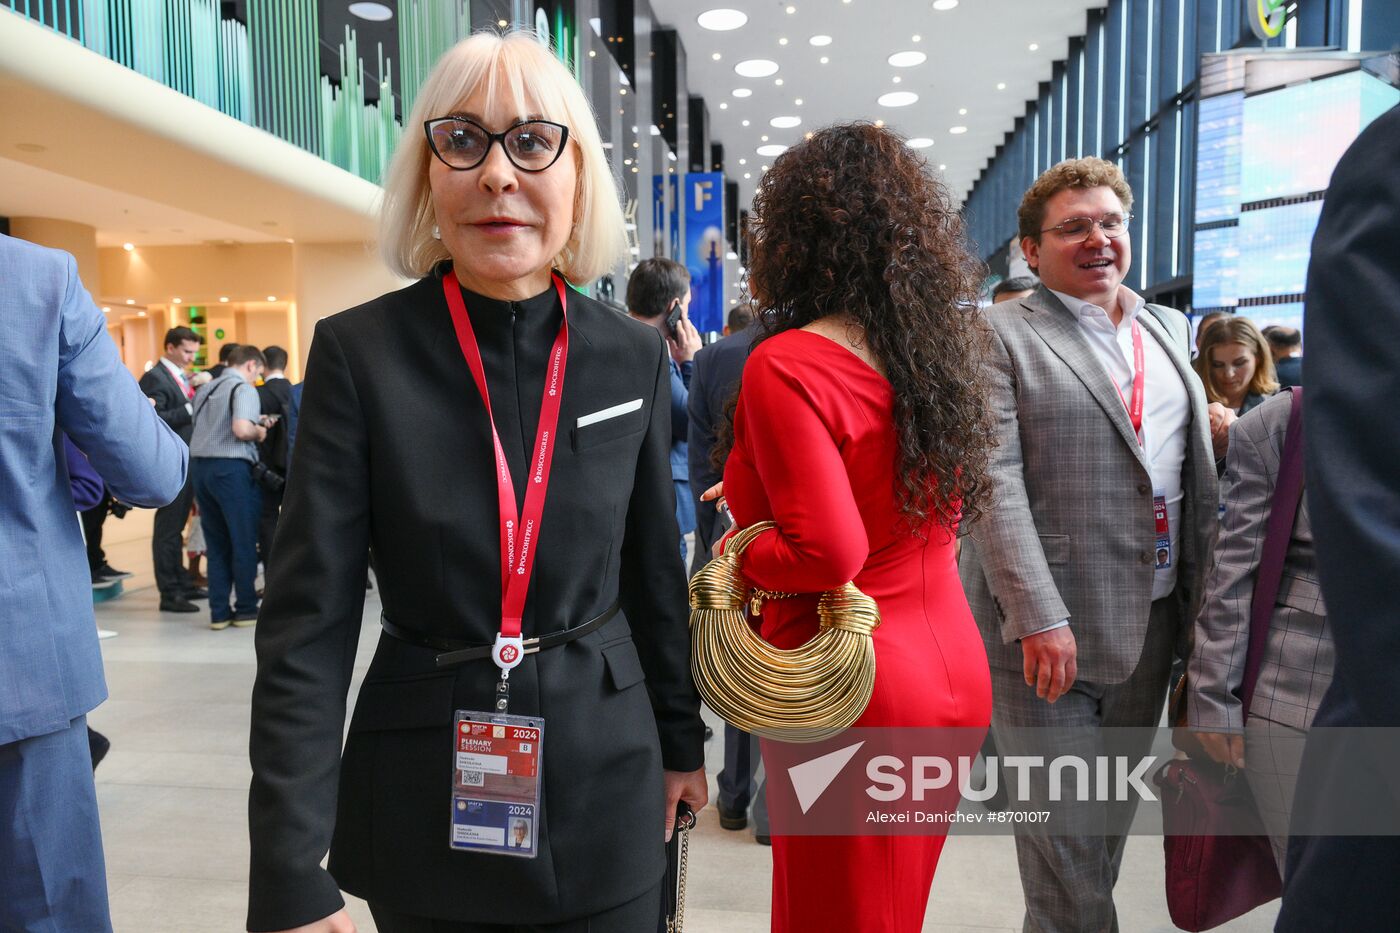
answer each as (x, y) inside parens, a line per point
(173, 794)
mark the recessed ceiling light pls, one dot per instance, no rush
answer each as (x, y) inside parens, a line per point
(174, 300)
(374, 12)
(746, 123)
(741, 92)
(722, 20)
(143, 313)
(879, 122)
(778, 82)
(943, 6)
(898, 99)
(916, 38)
(1001, 85)
(716, 56)
(748, 174)
(919, 142)
(502, 23)
(943, 168)
(1033, 46)
(128, 247)
(907, 59)
(131, 301)
(962, 111)
(592, 53)
(807, 135)
(763, 167)
(771, 151)
(743, 161)
(957, 130)
(820, 40)
(783, 40)
(271, 297)
(223, 299)
(825, 60)
(106, 310)
(798, 102)
(896, 79)
(791, 10)
(724, 105)
(756, 68)
(785, 123)
(763, 138)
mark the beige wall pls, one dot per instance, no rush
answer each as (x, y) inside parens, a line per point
(75, 238)
(197, 274)
(331, 277)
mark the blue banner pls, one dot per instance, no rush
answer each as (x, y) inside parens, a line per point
(704, 248)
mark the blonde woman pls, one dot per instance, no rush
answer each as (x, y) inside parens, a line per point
(1238, 372)
(501, 442)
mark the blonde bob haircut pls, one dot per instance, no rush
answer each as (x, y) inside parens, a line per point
(518, 67)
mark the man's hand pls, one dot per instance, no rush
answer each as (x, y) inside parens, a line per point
(1223, 747)
(683, 350)
(338, 922)
(689, 786)
(1050, 662)
(1220, 420)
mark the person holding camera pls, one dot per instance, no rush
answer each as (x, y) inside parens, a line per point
(228, 426)
(658, 293)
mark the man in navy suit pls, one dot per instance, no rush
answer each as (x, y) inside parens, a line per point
(62, 375)
(167, 384)
(1352, 319)
(714, 382)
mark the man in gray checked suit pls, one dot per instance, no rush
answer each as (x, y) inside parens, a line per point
(1084, 572)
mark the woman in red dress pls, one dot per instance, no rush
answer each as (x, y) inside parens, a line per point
(861, 430)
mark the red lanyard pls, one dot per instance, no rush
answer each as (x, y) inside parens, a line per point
(517, 563)
(1139, 382)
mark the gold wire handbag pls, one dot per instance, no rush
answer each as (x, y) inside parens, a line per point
(801, 694)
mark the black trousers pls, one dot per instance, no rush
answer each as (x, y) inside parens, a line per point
(167, 545)
(641, 915)
(92, 520)
(267, 525)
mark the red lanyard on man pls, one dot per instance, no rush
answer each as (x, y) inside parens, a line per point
(1139, 382)
(519, 530)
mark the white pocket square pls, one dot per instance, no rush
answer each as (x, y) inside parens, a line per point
(614, 412)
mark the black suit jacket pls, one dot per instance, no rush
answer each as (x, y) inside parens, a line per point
(1290, 371)
(158, 383)
(275, 396)
(713, 382)
(394, 451)
(1352, 367)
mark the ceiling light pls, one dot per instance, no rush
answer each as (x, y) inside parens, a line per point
(223, 299)
(741, 92)
(806, 135)
(721, 20)
(771, 151)
(174, 300)
(106, 310)
(880, 123)
(374, 12)
(907, 59)
(763, 138)
(763, 167)
(962, 111)
(798, 102)
(746, 123)
(785, 123)
(502, 23)
(783, 40)
(743, 161)
(916, 38)
(957, 130)
(748, 174)
(919, 142)
(622, 91)
(128, 247)
(778, 82)
(825, 60)
(896, 79)
(716, 56)
(756, 68)
(791, 10)
(943, 168)
(1033, 46)
(271, 297)
(944, 6)
(131, 301)
(1001, 85)
(898, 99)
(819, 40)
(724, 105)
(143, 313)
(592, 53)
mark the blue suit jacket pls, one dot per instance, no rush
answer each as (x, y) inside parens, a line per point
(60, 373)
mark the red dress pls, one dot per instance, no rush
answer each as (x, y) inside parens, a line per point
(814, 451)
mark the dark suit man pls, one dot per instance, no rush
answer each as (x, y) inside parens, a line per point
(218, 368)
(1284, 343)
(167, 384)
(275, 394)
(1353, 324)
(713, 383)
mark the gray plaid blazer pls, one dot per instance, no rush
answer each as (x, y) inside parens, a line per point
(1070, 534)
(1297, 665)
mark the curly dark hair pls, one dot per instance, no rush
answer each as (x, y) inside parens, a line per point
(852, 222)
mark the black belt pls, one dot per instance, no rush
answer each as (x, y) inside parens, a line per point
(456, 651)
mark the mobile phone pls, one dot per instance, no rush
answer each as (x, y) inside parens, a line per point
(673, 322)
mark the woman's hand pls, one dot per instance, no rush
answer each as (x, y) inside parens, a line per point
(1223, 747)
(689, 786)
(1220, 420)
(338, 922)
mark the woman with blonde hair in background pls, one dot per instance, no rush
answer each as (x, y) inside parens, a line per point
(1237, 369)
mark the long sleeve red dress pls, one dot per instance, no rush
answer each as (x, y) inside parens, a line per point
(815, 451)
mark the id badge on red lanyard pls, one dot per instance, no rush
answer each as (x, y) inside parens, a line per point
(519, 530)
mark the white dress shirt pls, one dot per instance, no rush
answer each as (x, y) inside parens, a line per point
(1166, 409)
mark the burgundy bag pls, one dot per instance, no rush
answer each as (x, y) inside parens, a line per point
(1214, 878)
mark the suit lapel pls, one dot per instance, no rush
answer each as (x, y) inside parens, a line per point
(1057, 326)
